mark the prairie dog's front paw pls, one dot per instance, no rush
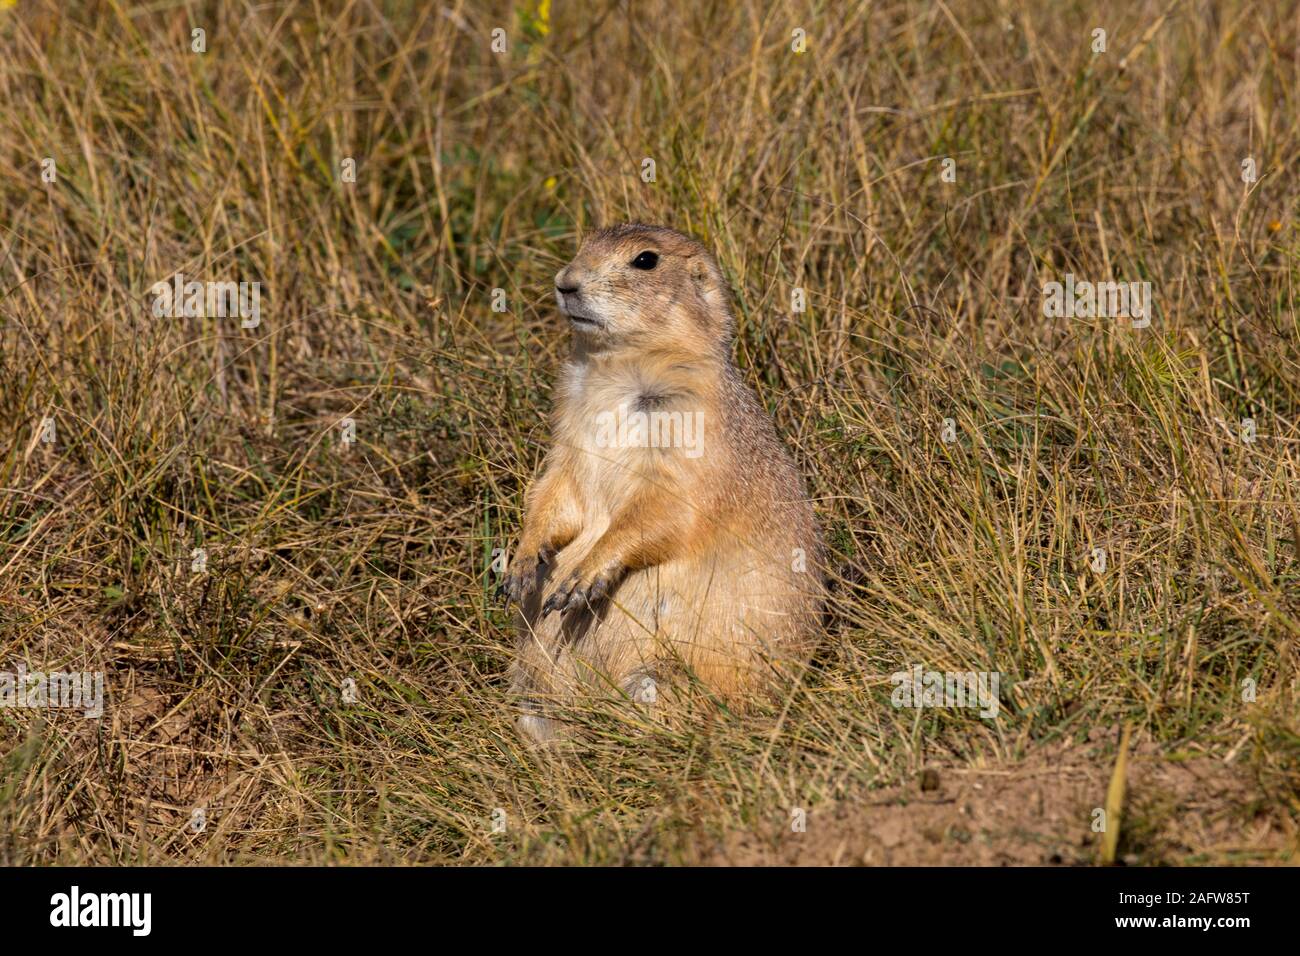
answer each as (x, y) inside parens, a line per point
(525, 571)
(582, 587)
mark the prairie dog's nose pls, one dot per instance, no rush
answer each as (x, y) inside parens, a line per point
(566, 281)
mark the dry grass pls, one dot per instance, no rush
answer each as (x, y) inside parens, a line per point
(478, 171)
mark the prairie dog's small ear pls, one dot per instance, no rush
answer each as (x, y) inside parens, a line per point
(711, 287)
(708, 282)
(703, 280)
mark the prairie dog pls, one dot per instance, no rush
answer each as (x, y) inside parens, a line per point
(669, 529)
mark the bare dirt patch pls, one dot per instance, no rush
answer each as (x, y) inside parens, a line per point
(1039, 812)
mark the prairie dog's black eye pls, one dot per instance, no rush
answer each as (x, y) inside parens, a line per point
(646, 260)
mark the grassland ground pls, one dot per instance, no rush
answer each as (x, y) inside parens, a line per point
(326, 683)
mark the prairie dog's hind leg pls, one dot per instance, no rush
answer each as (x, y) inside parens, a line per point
(538, 729)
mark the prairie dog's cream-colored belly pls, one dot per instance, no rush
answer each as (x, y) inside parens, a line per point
(714, 613)
(603, 476)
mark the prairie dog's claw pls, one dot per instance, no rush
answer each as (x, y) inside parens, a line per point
(522, 577)
(574, 594)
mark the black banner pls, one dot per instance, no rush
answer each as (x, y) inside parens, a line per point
(335, 905)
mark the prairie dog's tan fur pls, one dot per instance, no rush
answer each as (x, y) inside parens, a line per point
(635, 560)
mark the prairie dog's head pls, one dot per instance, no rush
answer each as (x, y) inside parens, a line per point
(645, 286)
